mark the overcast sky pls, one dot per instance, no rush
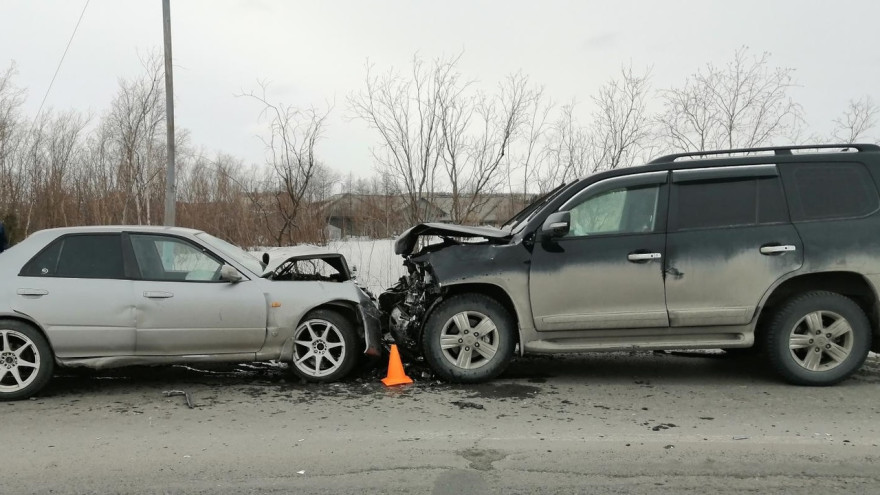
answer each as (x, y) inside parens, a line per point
(314, 52)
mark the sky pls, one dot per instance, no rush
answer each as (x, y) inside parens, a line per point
(314, 53)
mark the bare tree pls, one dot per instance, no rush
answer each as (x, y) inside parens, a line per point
(857, 121)
(438, 131)
(621, 128)
(12, 136)
(293, 135)
(406, 112)
(55, 151)
(211, 198)
(318, 195)
(98, 179)
(566, 153)
(58, 170)
(525, 159)
(477, 133)
(136, 122)
(743, 104)
(11, 99)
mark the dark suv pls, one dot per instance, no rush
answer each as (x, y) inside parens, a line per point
(771, 248)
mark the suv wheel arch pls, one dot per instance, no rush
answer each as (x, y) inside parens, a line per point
(849, 284)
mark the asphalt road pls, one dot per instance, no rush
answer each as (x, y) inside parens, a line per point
(597, 423)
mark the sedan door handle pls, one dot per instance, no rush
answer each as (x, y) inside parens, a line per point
(32, 292)
(640, 257)
(158, 294)
(777, 249)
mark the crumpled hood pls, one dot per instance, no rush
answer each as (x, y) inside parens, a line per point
(334, 259)
(407, 241)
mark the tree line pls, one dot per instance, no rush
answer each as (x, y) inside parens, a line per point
(436, 132)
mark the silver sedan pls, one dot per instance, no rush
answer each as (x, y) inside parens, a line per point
(102, 297)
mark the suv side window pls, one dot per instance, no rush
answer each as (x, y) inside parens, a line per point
(825, 191)
(173, 259)
(79, 256)
(626, 210)
(727, 203)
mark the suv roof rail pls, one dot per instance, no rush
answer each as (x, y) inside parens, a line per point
(778, 150)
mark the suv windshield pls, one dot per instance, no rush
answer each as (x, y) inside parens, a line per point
(236, 253)
(519, 220)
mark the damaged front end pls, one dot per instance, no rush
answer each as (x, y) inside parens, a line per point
(313, 264)
(406, 305)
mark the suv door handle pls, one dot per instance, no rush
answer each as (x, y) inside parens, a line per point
(158, 294)
(777, 249)
(640, 257)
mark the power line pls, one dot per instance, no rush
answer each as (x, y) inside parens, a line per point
(61, 61)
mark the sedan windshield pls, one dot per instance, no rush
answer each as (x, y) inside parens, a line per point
(236, 253)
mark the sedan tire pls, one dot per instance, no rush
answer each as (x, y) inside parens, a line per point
(469, 338)
(26, 360)
(818, 339)
(324, 347)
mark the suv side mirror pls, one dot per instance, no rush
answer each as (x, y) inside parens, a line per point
(229, 274)
(557, 224)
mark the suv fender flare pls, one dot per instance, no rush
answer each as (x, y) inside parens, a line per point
(862, 289)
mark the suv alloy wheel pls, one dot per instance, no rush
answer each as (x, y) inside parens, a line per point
(818, 338)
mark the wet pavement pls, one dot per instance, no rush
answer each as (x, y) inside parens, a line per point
(598, 423)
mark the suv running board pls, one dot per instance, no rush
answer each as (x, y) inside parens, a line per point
(689, 341)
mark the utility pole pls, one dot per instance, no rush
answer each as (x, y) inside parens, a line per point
(170, 187)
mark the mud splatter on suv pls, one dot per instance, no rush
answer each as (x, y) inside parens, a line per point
(770, 248)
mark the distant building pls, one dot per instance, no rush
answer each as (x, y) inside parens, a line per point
(383, 216)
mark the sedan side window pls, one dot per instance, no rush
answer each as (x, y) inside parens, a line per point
(79, 256)
(173, 259)
(627, 210)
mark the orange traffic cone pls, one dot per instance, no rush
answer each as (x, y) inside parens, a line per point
(396, 375)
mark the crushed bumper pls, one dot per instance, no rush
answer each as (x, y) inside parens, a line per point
(371, 320)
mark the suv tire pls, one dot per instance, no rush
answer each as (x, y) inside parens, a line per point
(818, 338)
(469, 338)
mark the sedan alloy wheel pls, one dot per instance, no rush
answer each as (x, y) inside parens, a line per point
(324, 346)
(26, 361)
(19, 361)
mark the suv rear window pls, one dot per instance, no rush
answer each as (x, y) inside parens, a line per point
(727, 203)
(825, 191)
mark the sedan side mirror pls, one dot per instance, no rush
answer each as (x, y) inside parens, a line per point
(557, 224)
(229, 274)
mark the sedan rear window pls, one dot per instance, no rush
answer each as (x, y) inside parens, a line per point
(79, 256)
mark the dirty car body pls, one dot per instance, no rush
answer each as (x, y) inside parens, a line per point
(727, 249)
(102, 297)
